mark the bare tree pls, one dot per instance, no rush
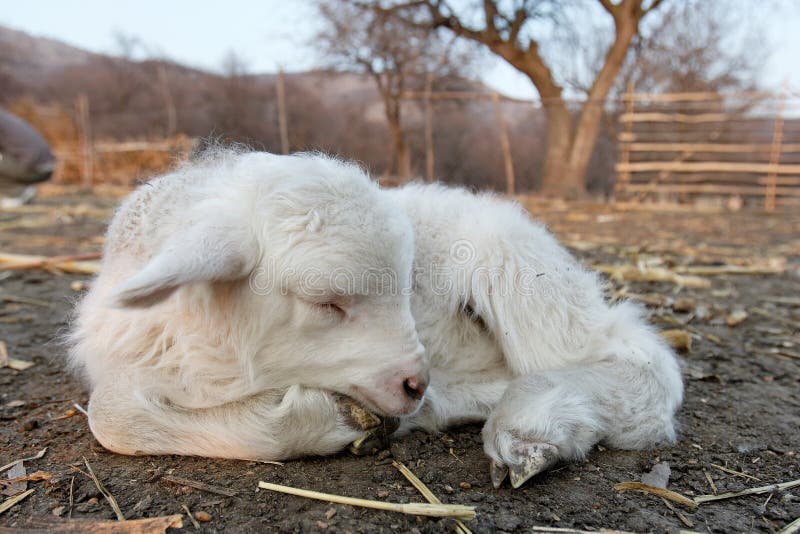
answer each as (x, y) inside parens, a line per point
(508, 29)
(698, 46)
(396, 56)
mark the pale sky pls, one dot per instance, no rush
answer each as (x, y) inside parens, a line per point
(269, 34)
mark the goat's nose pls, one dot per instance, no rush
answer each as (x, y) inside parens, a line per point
(415, 387)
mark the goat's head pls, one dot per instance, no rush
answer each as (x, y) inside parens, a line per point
(306, 266)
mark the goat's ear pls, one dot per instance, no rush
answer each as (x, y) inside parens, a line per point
(205, 252)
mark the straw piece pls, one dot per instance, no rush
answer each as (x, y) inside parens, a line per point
(149, 525)
(710, 482)
(732, 472)
(202, 486)
(770, 266)
(750, 491)
(8, 503)
(680, 340)
(426, 492)
(432, 510)
(634, 273)
(36, 456)
(110, 498)
(559, 530)
(191, 517)
(78, 264)
(791, 528)
(659, 492)
(683, 519)
(19, 365)
(71, 499)
(25, 300)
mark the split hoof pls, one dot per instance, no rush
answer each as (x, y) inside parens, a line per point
(498, 473)
(532, 459)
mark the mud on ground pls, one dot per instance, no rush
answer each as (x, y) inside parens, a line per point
(742, 408)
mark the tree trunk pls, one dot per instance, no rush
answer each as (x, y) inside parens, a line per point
(555, 178)
(401, 158)
(587, 129)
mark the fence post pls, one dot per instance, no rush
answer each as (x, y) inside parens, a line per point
(282, 126)
(505, 145)
(85, 130)
(169, 104)
(771, 182)
(624, 176)
(429, 174)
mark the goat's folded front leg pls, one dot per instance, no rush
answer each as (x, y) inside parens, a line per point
(559, 415)
(128, 415)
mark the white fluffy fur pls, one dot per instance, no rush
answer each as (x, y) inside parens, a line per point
(188, 348)
(549, 361)
(213, 369)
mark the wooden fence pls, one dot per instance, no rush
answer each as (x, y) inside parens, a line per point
(681, 146)
(428, 96)
(85, 159)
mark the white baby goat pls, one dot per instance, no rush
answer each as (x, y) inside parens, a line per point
(215, 310)
(516, 332)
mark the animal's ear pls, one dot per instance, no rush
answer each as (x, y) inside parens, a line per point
(205, 252)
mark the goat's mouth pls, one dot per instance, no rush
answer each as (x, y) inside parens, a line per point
(364, 400)
(376, 429)
(380, 408)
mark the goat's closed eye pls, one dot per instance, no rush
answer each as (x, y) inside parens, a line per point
(330, 308)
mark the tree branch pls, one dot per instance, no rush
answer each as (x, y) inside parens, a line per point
(653, 6)
(608, 6)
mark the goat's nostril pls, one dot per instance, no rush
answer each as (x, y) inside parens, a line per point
(414, 388)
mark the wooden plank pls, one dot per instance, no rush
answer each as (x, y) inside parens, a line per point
(102, 147)
(683, 118)
(694, 96)
(740, 135)
(169, 103)
(283, 127)
(429, 161)
(143, 146)
(707, 166)
(87, 150)
(732, 148)
(754, 190)
(625, 153)
(505, 144)
(464, 95)
(775, 155)
(750, 179)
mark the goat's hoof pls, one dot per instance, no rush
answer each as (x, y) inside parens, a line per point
(498, 473)
(534, 458)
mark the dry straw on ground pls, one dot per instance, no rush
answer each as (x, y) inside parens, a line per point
(654, 490)
(456, 511)
(426, 492)
(102, 489)
(149, 525)
(75, 264)
(11, 502)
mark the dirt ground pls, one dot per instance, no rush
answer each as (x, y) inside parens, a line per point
(742, 408)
